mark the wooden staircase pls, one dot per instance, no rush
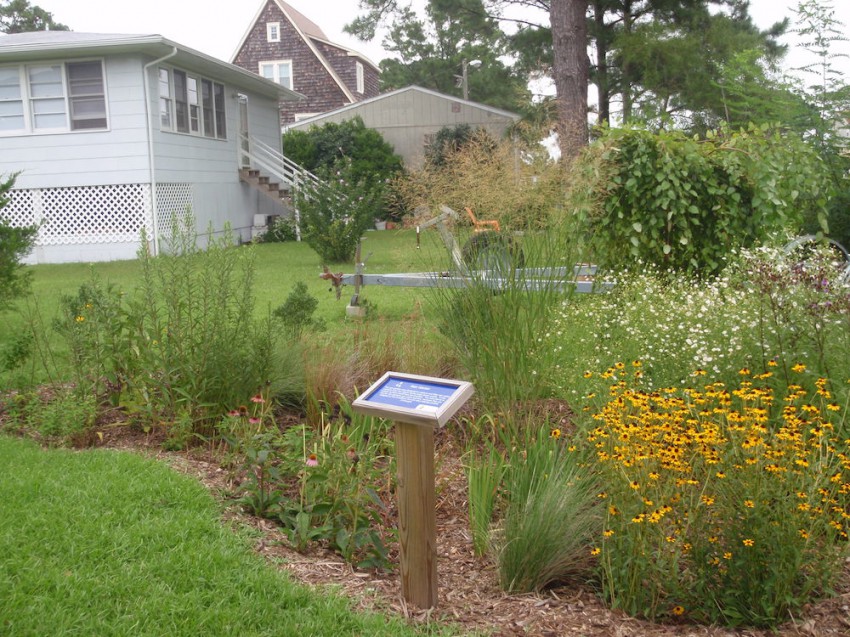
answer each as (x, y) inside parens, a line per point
(263, 161)
(273, 190)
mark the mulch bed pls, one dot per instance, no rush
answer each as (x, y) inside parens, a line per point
(469, 595)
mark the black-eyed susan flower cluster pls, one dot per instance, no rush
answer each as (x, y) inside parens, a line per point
(725, 503)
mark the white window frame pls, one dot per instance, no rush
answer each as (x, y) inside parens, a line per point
(82, 91)
(302, 116)
(62, 100)
(204, 102)
(273, 31)
(275, 71)
(361, 80)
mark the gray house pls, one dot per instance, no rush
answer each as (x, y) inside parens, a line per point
(115, 133)
(409, 118)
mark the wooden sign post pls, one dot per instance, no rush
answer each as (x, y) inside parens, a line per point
(418, 404)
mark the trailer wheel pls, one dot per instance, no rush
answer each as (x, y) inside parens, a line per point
(492, 251)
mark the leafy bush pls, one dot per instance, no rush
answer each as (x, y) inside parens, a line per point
(325, 485)
(282, 229)
(296, 312)
(366, 157)
(682, 203)
(335, 212)
(15, 243)
(725, 503)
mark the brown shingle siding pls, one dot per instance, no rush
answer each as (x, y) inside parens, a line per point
(309, 75)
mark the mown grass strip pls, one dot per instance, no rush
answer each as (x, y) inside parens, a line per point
(109, 543)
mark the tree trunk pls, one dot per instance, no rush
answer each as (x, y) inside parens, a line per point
(570, 68)
(602, 85)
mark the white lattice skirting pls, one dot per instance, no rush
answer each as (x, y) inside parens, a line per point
(90, 216)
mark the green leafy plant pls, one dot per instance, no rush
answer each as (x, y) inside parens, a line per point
(362, 153)
(682, 203)
(725, 503)
(280, 230)
(342, 470)
(94, 324)
(15, 243)
(296, 312)
(335, 212)
(63, 418)
(197, 345)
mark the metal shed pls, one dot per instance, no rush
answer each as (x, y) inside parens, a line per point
(408, 118)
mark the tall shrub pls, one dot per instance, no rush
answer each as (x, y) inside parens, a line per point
(683, 202)
(197, 347)
(364, 154)
(15, 243)
(335, 212)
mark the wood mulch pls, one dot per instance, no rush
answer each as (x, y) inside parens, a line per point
(469, 595)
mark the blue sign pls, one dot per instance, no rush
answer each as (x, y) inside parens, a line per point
(422, 396)
(413, 399)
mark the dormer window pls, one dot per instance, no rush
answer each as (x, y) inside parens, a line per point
(273, 31)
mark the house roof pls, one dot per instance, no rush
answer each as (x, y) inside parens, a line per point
(44, 45)
(311, 33)
(307, 122)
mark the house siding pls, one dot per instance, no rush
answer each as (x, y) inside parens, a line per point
(310, 77)
(344, 63)
(91, 192)
(114, 156)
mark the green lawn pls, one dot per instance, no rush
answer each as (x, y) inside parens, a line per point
(279, 267)
(109, 543)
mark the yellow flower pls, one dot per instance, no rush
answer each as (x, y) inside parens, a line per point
(636, 363)
(80, 319)
(595, 551)
(833, 407)
(749, 542)
(555, 433)
(749, 504)
(799, 367)
(772, 363)
(678, 610)
(804, 534)
(608, 533)
(634, 485)
(744, 371)
(588, 374)
(727, 555)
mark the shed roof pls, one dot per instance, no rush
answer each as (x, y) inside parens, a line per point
(316, 119)
(44, 45)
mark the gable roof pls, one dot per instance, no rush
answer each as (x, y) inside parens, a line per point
(307, 122)
(42, 45)
(311, 33)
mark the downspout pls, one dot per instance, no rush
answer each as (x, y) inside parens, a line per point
(151, 162)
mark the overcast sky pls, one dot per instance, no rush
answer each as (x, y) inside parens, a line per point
(216, 27)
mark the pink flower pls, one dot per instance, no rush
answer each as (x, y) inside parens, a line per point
(312, 460)
(258, 399)
(233, 413)
(255, 421)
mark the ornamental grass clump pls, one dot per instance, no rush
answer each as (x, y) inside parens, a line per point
(724, 503)
(550, 515)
